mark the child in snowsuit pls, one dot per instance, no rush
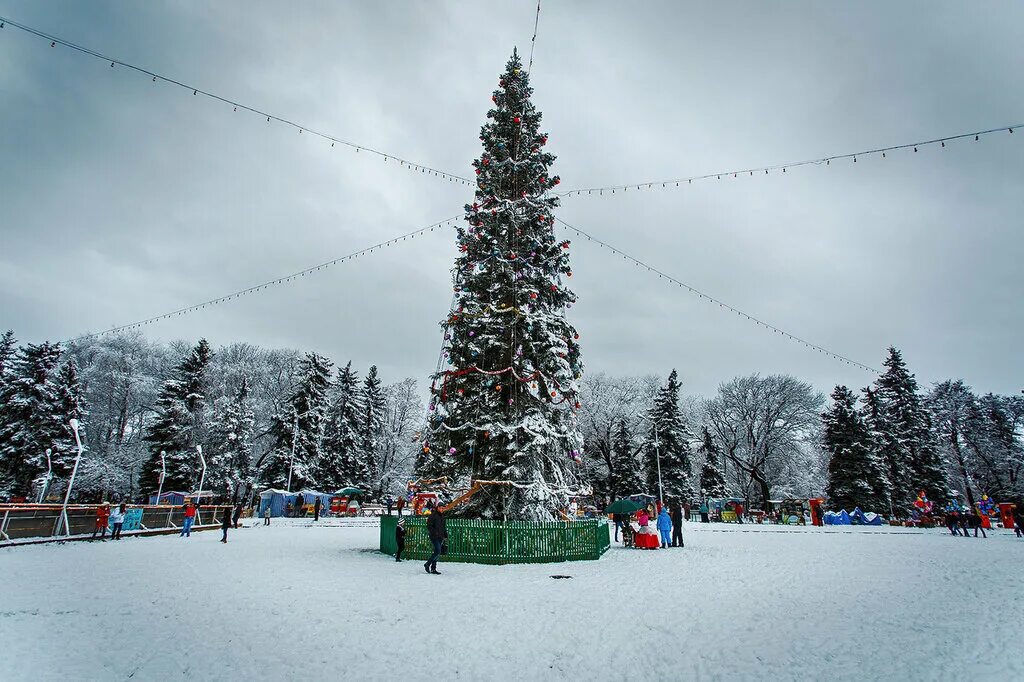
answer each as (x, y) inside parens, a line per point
(102, 516)
(665, 528)
(400, 539)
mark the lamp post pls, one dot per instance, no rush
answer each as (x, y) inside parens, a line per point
(163, 473)
(49, 476)
(71, 482)
(291, 462)
(202, 478)
(657, 455)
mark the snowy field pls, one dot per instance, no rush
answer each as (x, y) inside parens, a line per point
(302, 602)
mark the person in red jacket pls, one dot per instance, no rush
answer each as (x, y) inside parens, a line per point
(739, 512)
(102, 516)
(190, 518)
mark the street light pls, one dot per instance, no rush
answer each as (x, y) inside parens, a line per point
(657, 455)
(67, 495)
(163, 473)
(49, 476)
(202, 478)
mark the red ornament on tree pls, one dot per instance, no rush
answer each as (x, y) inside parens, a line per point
(516, 120)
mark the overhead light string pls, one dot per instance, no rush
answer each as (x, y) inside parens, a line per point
(721, 304)
(269, 283)
(236, 106)
(766, 170)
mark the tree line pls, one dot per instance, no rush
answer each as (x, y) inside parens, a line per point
(258, 415)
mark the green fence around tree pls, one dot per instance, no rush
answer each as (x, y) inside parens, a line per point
(498, 542)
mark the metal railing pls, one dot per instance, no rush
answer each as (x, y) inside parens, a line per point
(41, 521)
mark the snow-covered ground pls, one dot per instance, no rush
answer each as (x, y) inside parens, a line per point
(294, 601)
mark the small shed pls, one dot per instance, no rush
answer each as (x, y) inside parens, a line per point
(171, 497)
(278, 500)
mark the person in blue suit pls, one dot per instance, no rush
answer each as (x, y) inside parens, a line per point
(665, 528)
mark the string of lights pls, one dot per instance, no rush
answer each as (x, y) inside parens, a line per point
(280, 280)
(721, 304)
(238, 106)
(766, 170)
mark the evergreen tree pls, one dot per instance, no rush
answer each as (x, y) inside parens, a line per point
(344, 462)
(504, 407)
(231, 443)
(7, 349)
(626, 472)
(180, 425)
(673, 445)
(904, 437)
(712, 480)
(29, 418)
(374, 412)
(855, 477)
(298, 434)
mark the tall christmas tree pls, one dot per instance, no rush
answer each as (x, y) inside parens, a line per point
(626, 471)
(856, 478)
(374, 408)
(70, 404)
(231, 443)
(180, 425)
(673, 445)
(712, 480)
(504, 408)
(298, 432)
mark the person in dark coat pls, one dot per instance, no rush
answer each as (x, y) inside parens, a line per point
(952, 522)
(400, 539)
(438, 534)
(237, 515)
(300, 504)
(316, 509)
(677, 525)
(225, 523)
(976, 523)
(965, 522)
(400, 504)
(389, 503)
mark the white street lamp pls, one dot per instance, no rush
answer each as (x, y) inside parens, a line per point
(71, 482)
(202, 478)
(163, 473)
(49, 476)
(657, 455)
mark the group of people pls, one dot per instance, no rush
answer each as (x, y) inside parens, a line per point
(106, 516)
(668, 522)
(437, 531)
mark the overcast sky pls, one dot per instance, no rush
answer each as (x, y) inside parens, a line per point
(121, 198)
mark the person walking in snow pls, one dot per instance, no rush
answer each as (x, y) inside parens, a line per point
(965, 522)
(224, 525)
(388, 502)
(237, 515)
(952, 522)
(665, 528)
(704, 512)
(400, 505)
(400, 539)
(116, 521)
(316, 510)
(678, 514)
(190, 518)
(266, 516)
(976, 523)
(1018, 518)
(102, 516)
(739, 512)
(438, 534)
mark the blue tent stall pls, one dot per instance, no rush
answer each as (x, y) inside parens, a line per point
(869, 519)
(171, 497)
(840, 518)
(278, 500)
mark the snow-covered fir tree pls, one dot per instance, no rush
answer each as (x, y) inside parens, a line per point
(504, 409)
(712, 480)
(627, 474)
(8, 346)
(231, 443)
(180, 425)
(856, 477)
(904, 439)
(344, 462)
(30, 419)
(673, 445)
(299, 432)
(374, 414)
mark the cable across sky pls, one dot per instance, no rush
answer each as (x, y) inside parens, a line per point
(782, 167)
(721, 304)
(237, 106)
